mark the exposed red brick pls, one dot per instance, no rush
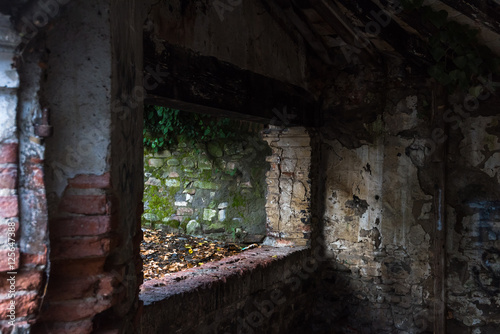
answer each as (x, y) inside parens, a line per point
(8, 153)
(8, 178)
(5, 229)
(64, 288)
(90, 181)
(80, 226)
(36, 176)
(25, 280)
(84, 204)
(25, 304)
(33, 260)
(9, 206)
(79, 267)
(73, 310)
(74, 327)
(78, 248)
(5, 255)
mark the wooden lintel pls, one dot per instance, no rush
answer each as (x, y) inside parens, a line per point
(203, 84)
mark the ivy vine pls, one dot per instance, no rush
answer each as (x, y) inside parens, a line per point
(164, 127)
(461, 63)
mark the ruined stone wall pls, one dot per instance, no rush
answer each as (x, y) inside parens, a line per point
(215, 189)
(380, 208)
(473, 216)
(288, 206)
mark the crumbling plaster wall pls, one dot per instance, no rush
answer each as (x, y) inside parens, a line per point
(242, 33)
(378, 223)
(92, 85)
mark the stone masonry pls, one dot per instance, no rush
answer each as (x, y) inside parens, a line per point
(288, 187)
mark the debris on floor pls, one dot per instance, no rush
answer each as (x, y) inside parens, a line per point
(164, 253)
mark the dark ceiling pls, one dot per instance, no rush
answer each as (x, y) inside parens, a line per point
(332, 27)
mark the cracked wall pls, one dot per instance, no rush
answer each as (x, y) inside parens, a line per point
(379, 221)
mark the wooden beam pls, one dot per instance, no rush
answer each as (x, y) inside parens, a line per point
(332, 15)
(303, 28)
(191, 82)
(409, 45)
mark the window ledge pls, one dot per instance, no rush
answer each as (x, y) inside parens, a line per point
(214, 273)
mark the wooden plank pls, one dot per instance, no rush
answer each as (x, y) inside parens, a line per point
(202, 84)
(310, 37)
(332, 15)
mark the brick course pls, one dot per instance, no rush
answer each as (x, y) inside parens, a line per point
(8, 153)
(9, 206)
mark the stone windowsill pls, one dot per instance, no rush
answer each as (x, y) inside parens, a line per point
(213, 273)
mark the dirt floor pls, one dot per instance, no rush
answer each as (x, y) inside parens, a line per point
(164, 253)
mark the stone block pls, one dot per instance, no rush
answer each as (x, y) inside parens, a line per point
(153, 182)
(188, 162)
(208, 214)
(214, 149)
(173, 162)
(291, 142)
(222, 215)
(163, 154)
(206, 185)
(193, 227)
(175, 183)
(224, 205)
(157, 163)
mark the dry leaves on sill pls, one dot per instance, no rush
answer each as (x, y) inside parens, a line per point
(164, 253)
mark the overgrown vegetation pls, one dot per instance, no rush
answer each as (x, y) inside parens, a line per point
(460, 61)
(163, 127)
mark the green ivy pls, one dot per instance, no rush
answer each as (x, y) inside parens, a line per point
(163, 127)
(460, 62)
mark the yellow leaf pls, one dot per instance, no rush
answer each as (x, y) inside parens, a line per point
(190, 251)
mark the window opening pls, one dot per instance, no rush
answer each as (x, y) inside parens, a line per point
(204, 191)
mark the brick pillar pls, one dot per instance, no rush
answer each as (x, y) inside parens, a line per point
(288, 187)
(94, 170)
(17, 285)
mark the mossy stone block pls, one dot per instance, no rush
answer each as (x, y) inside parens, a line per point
(214, 149)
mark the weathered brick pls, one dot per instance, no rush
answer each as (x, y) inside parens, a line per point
(84, 204)
(36, 179)
(25, 280)
(33, 260)
(8, 153)
(78, 267)
(73, 310)
(9, 206)
(80, 226)
(8, 178)
(74, 327)
(5, 229)
(67, 288)
(90, 181)
(5, 255)
(25, 304)
(78, 248)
